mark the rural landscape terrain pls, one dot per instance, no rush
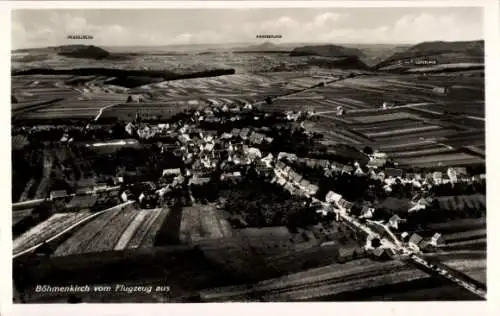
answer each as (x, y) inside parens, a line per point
(308, 172)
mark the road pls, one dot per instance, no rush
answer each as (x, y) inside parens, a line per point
(99, 113)
(402, 251)
(35, 202)
(70, 228)
(411, 254)
(405, 106)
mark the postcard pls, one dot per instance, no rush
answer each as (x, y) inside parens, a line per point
(225, 152)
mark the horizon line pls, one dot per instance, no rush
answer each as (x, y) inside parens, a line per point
(244, 43)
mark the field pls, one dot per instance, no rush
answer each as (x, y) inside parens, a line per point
(346, 281)
(118, 229)
(47, 229)
(425, 129)
(459, 202)
(420, 133)
(202, 222)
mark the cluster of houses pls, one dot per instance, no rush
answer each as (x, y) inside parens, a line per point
(292, 181)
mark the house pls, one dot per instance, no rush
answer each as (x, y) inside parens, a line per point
(348, 205)
(289, 156)
(441, 90)
(130, 128)
(437, 176)
(340, 110)
(281, 181)
(164, 190)
(253, 153)
(296, 177)
(394, 221)
(359, 172)
(281, 165)
(135, 98)
(414, 241)
(184, 138)
(387, 105)
(231, 176)
(460, 171)
(256, 138)
(345, 254)
(58, 194)
(347, 169)
(117, 180)
(178, 180)
(235, 109)
(209, 147)
(436, 240)
(452, 175)
(378, 252)
(312, 189)
(289, 187)
(268, 160)
(323, 163)
(332, 197)
(367, 212)
(171, 172)
(393, 172)
(235, 132)
(126, 196)
(244, 132)
(99, 187)
(377, 160)
(390, 252)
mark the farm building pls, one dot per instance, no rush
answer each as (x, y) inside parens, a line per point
(441, 90)
(58, 194)
(171, 172)
(393, 172)
(340, 110)
(79, 202)
(388, 105)
(135, 98)
(415, 241)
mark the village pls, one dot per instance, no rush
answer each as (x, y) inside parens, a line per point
(213, 149)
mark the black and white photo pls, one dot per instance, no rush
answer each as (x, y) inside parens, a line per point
(192, 155)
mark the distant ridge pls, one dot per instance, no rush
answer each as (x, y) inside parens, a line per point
(82, 51)
(266, 47)
(74, 51)
(440, 51)
(326, 51)
(331, 56)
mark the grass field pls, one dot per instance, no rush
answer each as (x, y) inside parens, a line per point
(46, 229)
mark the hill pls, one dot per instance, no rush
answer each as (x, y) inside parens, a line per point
(326, 51)
(331, 56)
(373, 54)
(82, 51)
(266, 47)
(436, 54)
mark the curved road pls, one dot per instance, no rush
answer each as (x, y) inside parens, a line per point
(70, 228)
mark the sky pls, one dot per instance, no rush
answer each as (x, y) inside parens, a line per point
(158, 27)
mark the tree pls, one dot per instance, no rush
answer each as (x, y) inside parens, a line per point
(368, 150)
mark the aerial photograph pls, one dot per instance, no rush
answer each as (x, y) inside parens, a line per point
(192, 155)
